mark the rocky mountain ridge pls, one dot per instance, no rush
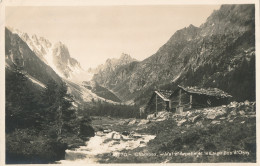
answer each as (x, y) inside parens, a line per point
(104, 72)
(212, 55)
(56, 55)
(112, 64)
(20, 56)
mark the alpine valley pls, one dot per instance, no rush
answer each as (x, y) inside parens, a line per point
(54, 106)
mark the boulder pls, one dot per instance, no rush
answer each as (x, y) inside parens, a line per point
(214, 113)
(233, 104)
(233, 113)
(150, 116)
(163, 115)
(240, 104)
(242, 112)
(188, 114)
(123, 123)
(132, 122)
(175, 116)
(199, 124)
(107, 131)
(181, 122)
(197, 111)
(160, 116)
(251, 113)
(247, 103)
(250, 116)
(215, 122)
(126, 133)
(195, 118)
(253, 103)
(211, 116)
(136, 136)
(116, 136)
(143, 121)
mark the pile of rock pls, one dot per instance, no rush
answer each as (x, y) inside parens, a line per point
(160, 116)
(214, 115)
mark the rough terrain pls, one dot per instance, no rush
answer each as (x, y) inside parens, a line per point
(219, 134)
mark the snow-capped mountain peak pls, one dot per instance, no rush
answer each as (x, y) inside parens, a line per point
(56, 55)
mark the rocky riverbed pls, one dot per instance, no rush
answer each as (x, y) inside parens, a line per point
(111, 137)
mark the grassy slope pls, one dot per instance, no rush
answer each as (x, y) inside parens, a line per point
(105, 93)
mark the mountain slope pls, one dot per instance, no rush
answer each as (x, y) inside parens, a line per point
(39, 117)
(56, 55)
(64, 63)
(81, 94)
(213, 52)
(19, 55)
(100, 91)
(103, 73)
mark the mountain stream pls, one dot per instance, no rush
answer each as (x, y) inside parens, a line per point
(105, 143)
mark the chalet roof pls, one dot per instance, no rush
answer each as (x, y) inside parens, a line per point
(164, 94)
(209, 91)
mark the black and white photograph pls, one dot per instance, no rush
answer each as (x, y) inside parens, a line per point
(129, 83)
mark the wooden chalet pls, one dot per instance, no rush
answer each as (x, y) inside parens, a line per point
(184, 98)
(159, 101)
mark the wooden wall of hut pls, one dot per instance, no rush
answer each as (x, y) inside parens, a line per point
(180, 97)
(200, 101)
(161, 105)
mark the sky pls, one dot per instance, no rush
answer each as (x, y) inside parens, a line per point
(96, 33)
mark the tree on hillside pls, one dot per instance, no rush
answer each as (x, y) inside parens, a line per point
(58, 104)
(22, 107)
